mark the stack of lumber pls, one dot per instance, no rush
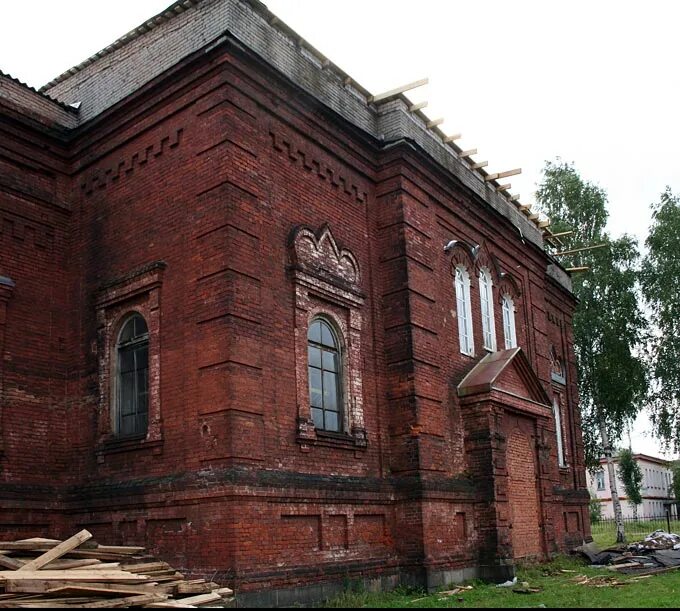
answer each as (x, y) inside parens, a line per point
(79, 573)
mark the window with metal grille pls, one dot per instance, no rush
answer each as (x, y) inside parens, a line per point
(132, 411)
(325, 376)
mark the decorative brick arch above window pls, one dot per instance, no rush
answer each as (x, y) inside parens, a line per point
(327, 284)
(462, 255)
(556, 368)
(318, 254)
(136, 292)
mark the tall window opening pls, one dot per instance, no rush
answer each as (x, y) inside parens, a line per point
(558, 430)
(464, 311)
(486, 297)
(509, 322)
(325, 376)
(132, 401)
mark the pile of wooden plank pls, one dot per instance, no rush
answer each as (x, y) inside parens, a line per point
(80, 573)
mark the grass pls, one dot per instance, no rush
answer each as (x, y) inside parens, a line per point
(556, 582)
(604, 533)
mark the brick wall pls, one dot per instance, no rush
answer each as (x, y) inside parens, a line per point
(207, 175)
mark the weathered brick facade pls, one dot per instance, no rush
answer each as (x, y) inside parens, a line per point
(230, 187)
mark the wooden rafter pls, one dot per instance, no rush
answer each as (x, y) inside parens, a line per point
(574, 251)
(374, 99)
(416, 107)
(506, 174)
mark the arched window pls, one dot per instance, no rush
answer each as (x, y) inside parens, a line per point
(557, 412)
(132, 378)
(488, 323)
(509, 322)
(464, 312)
(325, 376)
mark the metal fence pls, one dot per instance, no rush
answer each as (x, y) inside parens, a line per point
(604, 530)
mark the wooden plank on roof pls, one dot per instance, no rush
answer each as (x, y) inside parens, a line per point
(453, 137)
(506, 174)
(574, 251)
(381, 97)
(478, 166)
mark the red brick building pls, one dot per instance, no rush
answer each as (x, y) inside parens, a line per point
(271, 329)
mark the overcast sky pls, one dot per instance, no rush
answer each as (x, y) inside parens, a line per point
(596, 83)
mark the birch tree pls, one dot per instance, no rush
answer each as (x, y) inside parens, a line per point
(608, 323)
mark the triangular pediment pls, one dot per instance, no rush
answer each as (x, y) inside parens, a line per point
(507, 371)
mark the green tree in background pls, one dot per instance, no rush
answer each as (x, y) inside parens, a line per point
(595, 510)
(661, 288)
(608, 322)
(675, 483)
(631, 477)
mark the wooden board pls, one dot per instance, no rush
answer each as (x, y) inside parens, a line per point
(58, 551)
(202, 599)
(71, 587)
(83, 575)
(132, 601)
(10, 563)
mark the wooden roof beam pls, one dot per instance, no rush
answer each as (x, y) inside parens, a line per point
(577, 269)
(480, 165)
(500, 175)
(374, 99)
(468, 153)
(574, 251)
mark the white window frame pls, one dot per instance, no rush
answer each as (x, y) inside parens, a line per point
(600, 481)
(486, 300)
(509, 329)
(464, 311)
(557, 413)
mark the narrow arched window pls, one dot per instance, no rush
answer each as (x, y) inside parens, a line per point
(486, 299)
(132, 412)
(464, 312)
(325, 376)
(557, 412)
(509, 322)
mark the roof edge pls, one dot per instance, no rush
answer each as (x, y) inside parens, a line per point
(39, 92)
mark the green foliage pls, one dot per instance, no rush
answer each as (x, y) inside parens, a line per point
(595, 511)
(660, 277)
(608, 323)
(631, 477)
(675, 470)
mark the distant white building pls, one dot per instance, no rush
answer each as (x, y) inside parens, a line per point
(656, 489)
